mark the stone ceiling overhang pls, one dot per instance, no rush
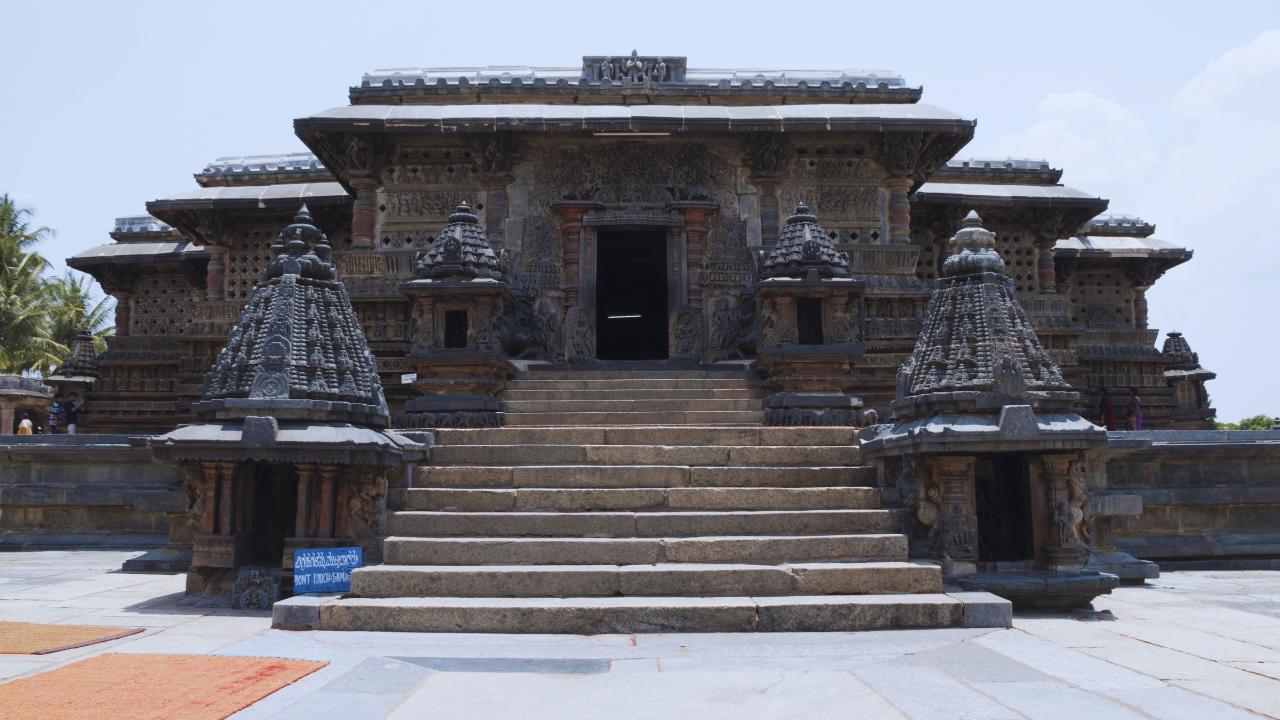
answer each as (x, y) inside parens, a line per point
(137, 252)
(492, 117)
(202, 211)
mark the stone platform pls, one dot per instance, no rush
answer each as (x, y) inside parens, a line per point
(1187, 646)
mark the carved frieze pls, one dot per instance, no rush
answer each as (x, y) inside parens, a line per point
(422, 204)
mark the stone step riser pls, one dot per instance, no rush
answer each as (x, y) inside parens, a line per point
(636, 499)
(421, 523)
(640, 615)
(677, 436)
(645, 580)
(592, 375)
(527, 396)
(726, 455)
(671, 417)
(636, 476)
(632, 385)
(643, 551)
(630, 406)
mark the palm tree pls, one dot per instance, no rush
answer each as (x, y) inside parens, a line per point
(75, 306)
(26, 343)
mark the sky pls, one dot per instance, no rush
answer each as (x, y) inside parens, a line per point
(1171, 110)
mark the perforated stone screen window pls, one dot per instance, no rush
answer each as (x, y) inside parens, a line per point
(1020, 258)
(245, 262)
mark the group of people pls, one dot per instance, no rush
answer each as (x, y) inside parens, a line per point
(64, 415)
(1133, 414)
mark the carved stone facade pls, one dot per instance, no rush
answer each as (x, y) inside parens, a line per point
(717, 187)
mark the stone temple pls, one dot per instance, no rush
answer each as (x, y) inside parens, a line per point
(635, 346)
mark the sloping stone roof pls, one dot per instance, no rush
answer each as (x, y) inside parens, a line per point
(461, 250)
(802, 247)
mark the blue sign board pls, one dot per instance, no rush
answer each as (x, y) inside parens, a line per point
(325, 570)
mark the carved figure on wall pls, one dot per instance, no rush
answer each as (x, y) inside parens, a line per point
(359, 156)
(580, 328)
(659, 71)
(769, 155)
(685, 335)
(606, 69)
(499, 153)
(768, 327)
(904, 152)
(634, 68)
(367, 504)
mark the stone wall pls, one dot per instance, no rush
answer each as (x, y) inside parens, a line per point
(1211, 499)
(87, 491)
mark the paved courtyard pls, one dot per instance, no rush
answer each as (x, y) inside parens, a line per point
(1189, 645)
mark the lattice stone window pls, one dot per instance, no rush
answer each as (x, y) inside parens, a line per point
(1020, 258)
(249, 254)
(1101, 292)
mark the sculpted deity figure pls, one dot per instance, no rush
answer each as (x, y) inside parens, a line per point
(606, 69)
(659, 71)
(634, 68)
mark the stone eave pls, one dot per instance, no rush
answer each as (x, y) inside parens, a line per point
(185, 210)
(1009, 195)
(388, 93)
(489, 117)
(136, 253)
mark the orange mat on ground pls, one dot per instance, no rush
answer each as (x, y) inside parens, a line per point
(19, 638)
(116, 686)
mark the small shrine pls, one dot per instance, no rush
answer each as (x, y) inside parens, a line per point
(79, 369)
(292, 448)
(986, 445)
(808, 335)
(459, 296)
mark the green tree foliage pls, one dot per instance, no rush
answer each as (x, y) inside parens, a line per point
(1257, 422)
(39, 316)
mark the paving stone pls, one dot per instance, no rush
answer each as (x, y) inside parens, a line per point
(378, 676)
(333, 706)
(550, 666)
(922, 692)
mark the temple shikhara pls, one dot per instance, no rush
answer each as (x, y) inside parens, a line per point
(678, 348)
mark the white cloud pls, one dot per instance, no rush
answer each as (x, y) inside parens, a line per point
(1218, 196)
(1097, 142)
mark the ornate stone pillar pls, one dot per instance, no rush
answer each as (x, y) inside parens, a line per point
(956, 532)
(124, 312)
(695, 230)
(1046, 271)
(327, 475)
(899, 211)
(1140, 306)
(1065, 497)
(571, 226)
(305, 474)
(216, 273)
(364, 219)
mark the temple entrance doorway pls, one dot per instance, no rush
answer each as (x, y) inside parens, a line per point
(631, 295)
(1003, 493)
(273, 490)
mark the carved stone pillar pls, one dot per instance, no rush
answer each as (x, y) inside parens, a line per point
(768, 215)
(328, 473)
(696, 231)
(124, 312)
(364, 219)
(899, 211)
(6, 417)
(1063, 548)
(216, 273)
(1140, 307)
(956, 529)
(1046, 272)
(305, 475)
(571, 226)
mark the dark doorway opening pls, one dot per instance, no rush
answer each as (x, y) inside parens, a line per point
(275, 506)
(1003, 490)
(631, 295)
(455, 329)
(809, 321)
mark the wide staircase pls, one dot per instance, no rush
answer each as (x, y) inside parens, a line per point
(635, 501)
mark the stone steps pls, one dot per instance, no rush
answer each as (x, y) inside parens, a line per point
(752, 549)
(639, 476)
(743, 393)
(672, 436)
(389, 581)
(669, 417)
(655, 523)
(589, 615)
(630, 406)
(767, 498)
(642, 501)
(727, 455)
(639, 385)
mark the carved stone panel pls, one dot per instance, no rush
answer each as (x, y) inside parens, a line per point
(685, 333)
(580, 335)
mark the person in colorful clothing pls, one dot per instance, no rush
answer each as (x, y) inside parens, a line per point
(24, 427)
(1133, 420)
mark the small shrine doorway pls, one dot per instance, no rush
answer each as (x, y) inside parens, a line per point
(631, 294)
(1002, 488)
